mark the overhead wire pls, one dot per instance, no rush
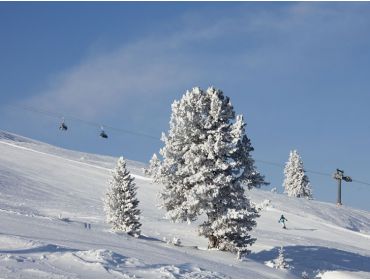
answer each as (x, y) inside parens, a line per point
(282, 165)
(309, 171)
(95, 124)
(141, 134)
(360, 182)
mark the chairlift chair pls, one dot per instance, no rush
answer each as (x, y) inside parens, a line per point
(103, 134)
(63, 126)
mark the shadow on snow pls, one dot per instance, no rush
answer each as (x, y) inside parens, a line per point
(313, 259)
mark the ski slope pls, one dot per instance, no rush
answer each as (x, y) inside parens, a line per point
(49, 195)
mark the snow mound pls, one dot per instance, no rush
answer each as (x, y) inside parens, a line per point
(103, 263)
(344, 275)
(52, 261)
(13, 243)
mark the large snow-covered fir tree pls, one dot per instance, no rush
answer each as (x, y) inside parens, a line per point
(296, 182)
(206, 158)
(120, 203)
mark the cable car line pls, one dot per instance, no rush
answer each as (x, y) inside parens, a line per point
(57, 115)
(309, 171)
(360, 182)
(103, 134)
(282, 165)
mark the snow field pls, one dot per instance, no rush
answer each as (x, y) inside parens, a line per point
(48, 194)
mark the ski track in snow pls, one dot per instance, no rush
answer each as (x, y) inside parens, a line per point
(322, 240)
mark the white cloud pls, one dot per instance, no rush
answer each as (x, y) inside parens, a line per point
(159, 66)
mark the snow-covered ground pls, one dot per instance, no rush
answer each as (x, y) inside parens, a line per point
(48, 195)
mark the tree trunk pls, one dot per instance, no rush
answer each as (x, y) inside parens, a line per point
(212, 242)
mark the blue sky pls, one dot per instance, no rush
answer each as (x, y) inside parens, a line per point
(298, 72)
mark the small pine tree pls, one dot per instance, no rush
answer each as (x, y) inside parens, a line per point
(280, 262)
(305, 275)
(296, 182)
(153, 169)
(120, 203)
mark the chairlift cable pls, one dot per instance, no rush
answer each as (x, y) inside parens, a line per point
(310, 171)
(360, 182)
(57, 115)
(126, 131)
(282, 165)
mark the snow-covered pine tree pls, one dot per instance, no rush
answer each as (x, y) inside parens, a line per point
(305, 275)
(206, 158)
(280, 262)
(153, 169)
(186, 131)
(120, 203)
(296, 182)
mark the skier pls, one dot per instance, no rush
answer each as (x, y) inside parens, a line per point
(283, 220)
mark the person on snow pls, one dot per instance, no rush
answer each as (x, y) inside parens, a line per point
(283, 220)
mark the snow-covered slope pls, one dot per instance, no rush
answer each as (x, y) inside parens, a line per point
(48, 195)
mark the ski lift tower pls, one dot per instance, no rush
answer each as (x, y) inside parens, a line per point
(339, 176)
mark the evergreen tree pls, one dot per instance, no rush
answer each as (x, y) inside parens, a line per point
(206, 158)
(120, 203)
(296, 183)
(280, 262)
(153, 169)
(186, 124)
(305, 275)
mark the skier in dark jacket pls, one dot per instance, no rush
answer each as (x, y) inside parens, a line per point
(283, 220)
